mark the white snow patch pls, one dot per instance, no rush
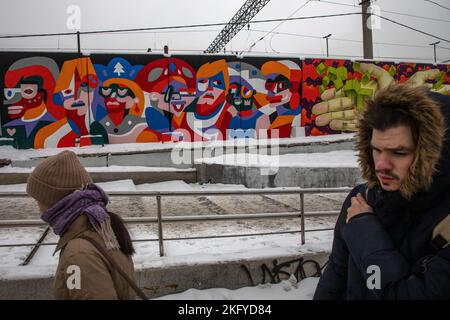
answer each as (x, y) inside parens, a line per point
(135, 169)
(332, 159)
(202, 251)
(10, 169)
(14, 256)
(180, 185)
(177, 252)
(285, 290)
(217, 186)
(21, 187)
(119, 185)
(173, 185)
(128, 185)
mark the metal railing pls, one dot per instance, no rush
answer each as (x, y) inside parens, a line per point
(159, 218)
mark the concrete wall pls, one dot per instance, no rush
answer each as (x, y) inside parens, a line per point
(254, 177)
(157, 282)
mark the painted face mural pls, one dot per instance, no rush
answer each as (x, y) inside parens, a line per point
(246, 95)
(75, 90)
(28, 93)
(117, 97)
(124, 104)
(178, 95)
(247, 86)
(169, 84)
(25, 97)
(282, 83)
(28, 85)
(122, 97)
(169, 88)
(212, 86)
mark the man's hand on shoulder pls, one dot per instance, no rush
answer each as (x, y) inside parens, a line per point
(359, 206)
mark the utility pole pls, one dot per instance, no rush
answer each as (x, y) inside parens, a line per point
(78, 42)
(367, 30)
(326, 38)
(434, 46)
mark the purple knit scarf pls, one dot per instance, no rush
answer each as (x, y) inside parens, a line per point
(91, 201)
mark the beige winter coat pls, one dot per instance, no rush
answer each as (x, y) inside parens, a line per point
(98, 279)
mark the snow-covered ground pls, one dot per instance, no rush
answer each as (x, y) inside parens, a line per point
(285, 290)
(190, 251)
(178, 252)
(332, 159)
(184, 253)
(11, 169)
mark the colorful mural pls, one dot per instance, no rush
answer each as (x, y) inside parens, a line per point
(333, 91)
(64, 100)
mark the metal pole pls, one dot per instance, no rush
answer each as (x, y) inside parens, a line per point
(160, 231)
(35, 248)
(434, 47)
(78, 42)
(435, 54)
(88, 98)
(367, 31)
(302, 218)
(326, 38)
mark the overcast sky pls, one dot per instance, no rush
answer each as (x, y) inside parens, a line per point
(291, 38)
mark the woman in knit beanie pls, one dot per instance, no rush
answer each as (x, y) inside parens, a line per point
(75, 208)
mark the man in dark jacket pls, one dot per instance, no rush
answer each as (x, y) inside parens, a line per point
(391, 238)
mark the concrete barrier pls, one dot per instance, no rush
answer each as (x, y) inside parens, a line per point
(254, 177)
(156, 282)
(167, 155)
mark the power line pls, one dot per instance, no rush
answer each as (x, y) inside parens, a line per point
(438, 4)
(346, 40)
(297, 10)
(393, 12)
(217, 24)
(406, 26)
(262, 31)
(168, 31)
(71, 49)
(277, 33)
(175, 27)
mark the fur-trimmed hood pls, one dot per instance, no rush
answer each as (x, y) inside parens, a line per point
(432, 153)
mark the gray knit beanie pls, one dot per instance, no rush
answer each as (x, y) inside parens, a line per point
(57, 177)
